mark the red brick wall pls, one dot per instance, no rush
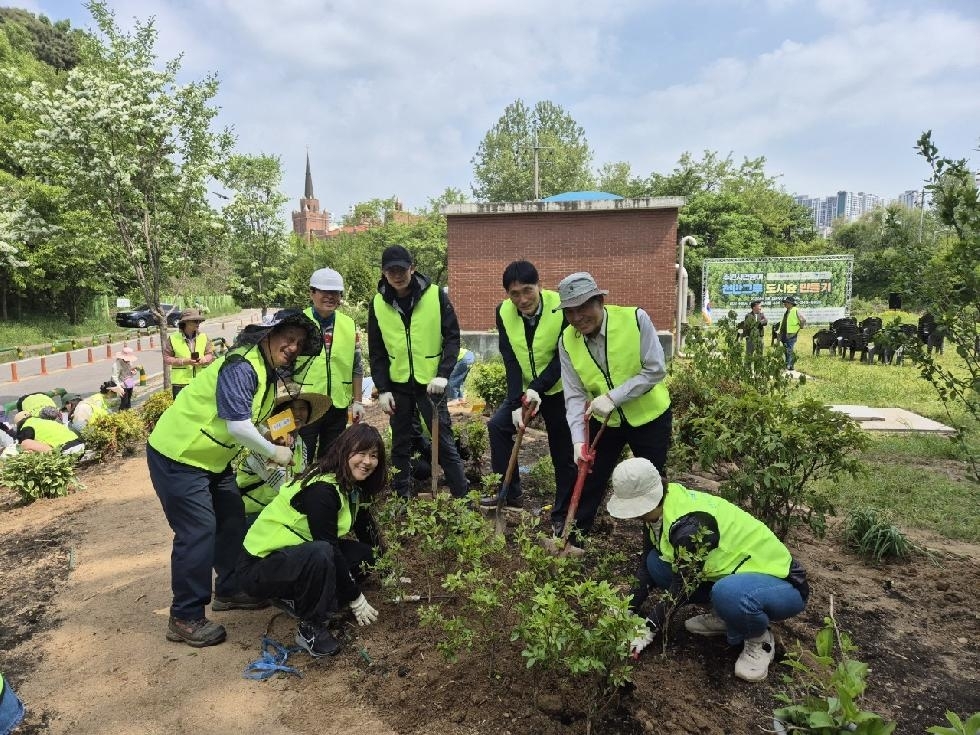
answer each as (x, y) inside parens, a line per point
(630, 253)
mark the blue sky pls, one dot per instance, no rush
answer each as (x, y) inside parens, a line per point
(393, 98)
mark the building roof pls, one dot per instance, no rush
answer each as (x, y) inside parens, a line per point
(581, 196)
(577, 205)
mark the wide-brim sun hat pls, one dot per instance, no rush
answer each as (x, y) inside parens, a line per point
(191, 315)
(576, 289)
(253, 334)
(789, 300)
(637, 488)
(127, 354)
(319, 402)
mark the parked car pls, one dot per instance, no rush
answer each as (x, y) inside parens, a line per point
(141, 316)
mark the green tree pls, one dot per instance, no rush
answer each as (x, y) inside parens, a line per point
(618, 178)
(132, 145)
(503, 166)
(257, 232)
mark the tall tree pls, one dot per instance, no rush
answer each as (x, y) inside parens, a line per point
(503, 166)
(259, 245)
(131, 144)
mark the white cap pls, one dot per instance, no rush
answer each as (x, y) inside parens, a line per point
(327, 279)
(637, 488)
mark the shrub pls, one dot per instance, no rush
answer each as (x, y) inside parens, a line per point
(153, 407)
(115, 434)
(489, 380)
(477, 441)
(40, 475)
(540, 479)
(870, 534)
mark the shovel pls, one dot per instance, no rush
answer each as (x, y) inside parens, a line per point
(499, 524)
(561, 547)
(434, 435)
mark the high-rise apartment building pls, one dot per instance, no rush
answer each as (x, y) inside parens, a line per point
(847, 204)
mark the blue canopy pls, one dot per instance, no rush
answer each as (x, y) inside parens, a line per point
(581, 196)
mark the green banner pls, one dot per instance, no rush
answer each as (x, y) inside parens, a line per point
(821, 285)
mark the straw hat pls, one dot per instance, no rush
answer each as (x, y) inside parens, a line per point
(127, 354)
(191, 315)
(637, 488)
(319, 402)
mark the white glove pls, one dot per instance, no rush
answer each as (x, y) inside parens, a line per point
(517, 416)
(644, 637)
(437, 386)
(579, 452)
(357, 411)
(602, 406)
(363, 612)
(387, 403)
(283, 456)
(532, 400)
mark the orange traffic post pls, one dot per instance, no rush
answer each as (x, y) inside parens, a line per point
(108, 350)
(67, 360)
(13, 372)
(139, 344)
(91, 357)
(44, 366)
(151, 341)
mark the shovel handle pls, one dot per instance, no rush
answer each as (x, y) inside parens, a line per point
(434, 431)
(584, 468)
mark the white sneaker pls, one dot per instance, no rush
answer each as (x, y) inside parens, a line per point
(707, 624)
(757, 654)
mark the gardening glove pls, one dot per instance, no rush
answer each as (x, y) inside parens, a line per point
(644, 637)
(517, 416)
(283, 456)
(387, 403)
(602, 406)
(583, 453)
(437, 386)
(363, 612)
(532, 400)
(357, 412)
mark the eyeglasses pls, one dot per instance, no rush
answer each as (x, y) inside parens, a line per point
(329, 294)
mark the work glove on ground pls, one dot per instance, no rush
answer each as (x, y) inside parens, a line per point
(437, 386)
(363, 612)
(283, 456)
(601, 407)
(387, 403)
(357, 412)
(532, 400)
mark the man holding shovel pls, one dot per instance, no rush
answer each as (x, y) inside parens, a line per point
(612, 367)
(413, 343)
(529, 327)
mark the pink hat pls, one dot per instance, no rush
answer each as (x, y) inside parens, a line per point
(127, 354)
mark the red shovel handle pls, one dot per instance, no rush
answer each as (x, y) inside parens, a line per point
(584, 468)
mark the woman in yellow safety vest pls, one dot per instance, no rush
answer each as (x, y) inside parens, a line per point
(296, 553)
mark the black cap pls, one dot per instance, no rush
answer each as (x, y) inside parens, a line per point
(395, 256)
(790, 300)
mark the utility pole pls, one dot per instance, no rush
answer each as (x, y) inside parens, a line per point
(537, 183)
(922, 213)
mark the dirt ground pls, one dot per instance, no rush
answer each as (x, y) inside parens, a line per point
(84, 591)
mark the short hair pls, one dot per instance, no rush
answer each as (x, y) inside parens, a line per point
(356, 438)
(754, 304)
(520, 271)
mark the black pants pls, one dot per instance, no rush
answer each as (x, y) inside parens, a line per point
(207, 515)
(175, 389)
(501, 431)
(650, 441)
(304, 573)
(319, 435)
(410, 399)
(126, 401)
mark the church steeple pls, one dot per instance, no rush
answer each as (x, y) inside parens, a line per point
(308, 191)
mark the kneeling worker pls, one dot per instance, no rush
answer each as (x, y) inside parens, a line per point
(747, 575)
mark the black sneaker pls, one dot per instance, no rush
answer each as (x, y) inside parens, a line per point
(490, 501)
(196, 633)
(316, 640)
(239, 601)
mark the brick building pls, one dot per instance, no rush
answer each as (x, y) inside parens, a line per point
(629, 245)
(309, 221)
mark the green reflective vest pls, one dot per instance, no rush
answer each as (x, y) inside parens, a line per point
(332, 371)
(98, 404)
(745, 544)
(623, 360)
(792, 321)
(33, 403)
(53, 433)
(182, 374)
(255, 493)
(414, 353)
(280, 525)
(535, 356)
(190, 432)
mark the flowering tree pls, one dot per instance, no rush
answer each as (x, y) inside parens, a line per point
(131, 145)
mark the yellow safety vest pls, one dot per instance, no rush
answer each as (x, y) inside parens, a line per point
(792, 322)
(332, 371)
(182, 374)
(414, 353)
(623, 360)
(191, 432)
(535, 356)
(280, 525)
(53, 433)
(257, 494)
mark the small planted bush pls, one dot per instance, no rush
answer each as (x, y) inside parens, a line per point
(40, 475)
(477, 441)
(540, 479)
(153, 407)
(870, 534)
(115, 434)
(489, 380)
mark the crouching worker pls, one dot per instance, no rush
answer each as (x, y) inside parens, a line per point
(45, 432)
(746, 574)
(258, 479)
(296, 553)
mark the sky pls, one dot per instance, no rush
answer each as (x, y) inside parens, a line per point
(393, 98)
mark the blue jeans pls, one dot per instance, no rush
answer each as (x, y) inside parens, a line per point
(746, 602)
(789, 344)
(459, 373)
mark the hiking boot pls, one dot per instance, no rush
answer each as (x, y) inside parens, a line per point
(239, 601)
(316, 640)
(196, 633)
(757, 654)
(490, 501)
(707, 624)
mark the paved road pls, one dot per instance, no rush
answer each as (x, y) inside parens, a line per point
(85, 377)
